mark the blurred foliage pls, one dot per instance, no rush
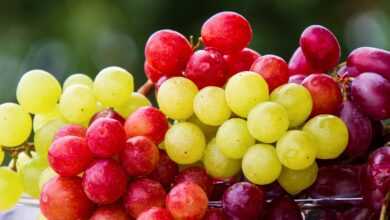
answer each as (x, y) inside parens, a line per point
(65, 37)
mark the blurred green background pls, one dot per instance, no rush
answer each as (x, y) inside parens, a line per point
(65, 37)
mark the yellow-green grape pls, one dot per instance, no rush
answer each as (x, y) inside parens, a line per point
(295, 181)
(78, 104)
(296, 149)
(175, 98)
(78, 79)
(113, 85)
(233, 138)
(217, 164)
(135, 101)
(38, 91)
(185, 143)
(261, 165)
(210, 106)
(11, 189)
(268, 121)
(30, 174)
(208, 130)
(46, 175)
(296, 99)
(15, 125)
(44, 136)
(23, 159)
(244, 91)
(330, 133)
(41, 119)
(1, 156)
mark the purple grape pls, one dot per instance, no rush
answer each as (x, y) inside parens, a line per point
(378, 134)
(370, 91)
(322, 214)
(273, 191)
(359, 213)
(298, 78)
(283, 208)
(378, 169)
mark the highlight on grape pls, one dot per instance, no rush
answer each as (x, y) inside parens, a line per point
(236, 134)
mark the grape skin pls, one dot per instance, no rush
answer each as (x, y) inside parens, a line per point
(46, 175)
(78, 79)
(135, 102)
(41, 119)
(45, 136)
(298, 64)
(11, 188)
(30, 174)
(295, 181)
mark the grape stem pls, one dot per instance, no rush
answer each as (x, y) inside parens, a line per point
(145, 88)
(15, 151)
(384, 207)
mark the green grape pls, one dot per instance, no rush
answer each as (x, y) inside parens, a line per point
(233, 138)
(38, 91)
(78, 104)
(268, 121)
(44, 136)
(331, 135)
(15, 125)
(11, 189)
(296, 99)
(185, 143)
(208, 130)
(41, 119)
(261, 165)
(217, 164)
(210, 106)
(175, 98)
(135, 101)
(78, 79)
(295, 181)
(30, 174)
(1, 156)
(113, 85)
(296, 149)
(244, 91)
(46, 175)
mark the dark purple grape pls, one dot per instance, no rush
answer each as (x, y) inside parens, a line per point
(358, 213)
(273, 191)
(378, 134)
(298, 78)
(378, 169)
(283, 208)
(322, 214)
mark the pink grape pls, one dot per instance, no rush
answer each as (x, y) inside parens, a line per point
(70, 130)
(155, 214)
(241, 61)
(108, 113)
(110, 212)
(298, 64)
(283, 208)
(298, 78)
(196, 175)
(165, 171)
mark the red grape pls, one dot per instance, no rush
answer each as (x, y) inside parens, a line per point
(62, 198)
(108, 113)
(283, 208)
(104, 182)
(206, 68)
(106, 137)
(152, 73)
(298, 78)
(320, 47)
(241, 61)
(378, 169)
(165, 171)
(155, 214)
(70, 130)
(325, 93)
(143, 194)
(168, 51)
(69, 155)
(196, 175)
(370, 92)
(215, 214)
(298, 64)
(243, 201)
(147, 121)
(227, 31)
(140, 156)
(187, 200)
(110, 212)
(273, 69)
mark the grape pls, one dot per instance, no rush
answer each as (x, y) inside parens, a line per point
(325, 93)
(359, 130)
(273, 69)
(206, 68)
(378, 169)
(168, 51)
(23, 159)
(34, 97)
(296, 149)
(63, 198)
(323, 214)
(296, 99)
(208, 130)
(217, 164)
(70, 155)
(347, 71)
(261, 165)
(359, 213)
(78, 79)
(370, 59)
(143, 194)
(166, 170)
(273, 191)
(46, 175)
(297, 78)
(187, 200)
(175, 97)
(215, 214)
(41, 119)
(70, 130)
(330, 133)
(152, 73)
(244, 90)
(369, 91)
(233, 138)
(15, 126)
(298, 64)
(11, 188)
(271, 114)
(320, 47)
(136, 101)
(198, 176)
(283, 208)
(295, 181)
(227, 31)
(243, 201)
(210, 106)
(44, 137)
(104, 182)
(240, 61)
(110, 212)
(140, 156)
(78, 104)
(378, 135)
(185, 143)
(30, 174)
(108, 113)
(149, 122)
(155, 214)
